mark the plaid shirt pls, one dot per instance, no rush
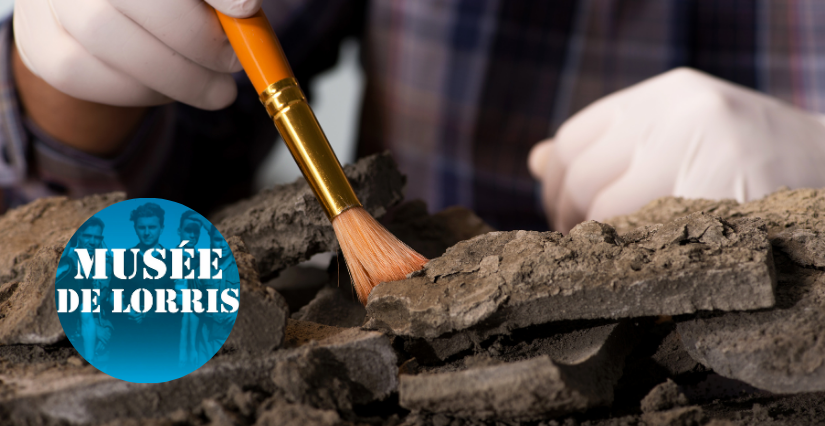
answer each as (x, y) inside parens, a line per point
(458, 90)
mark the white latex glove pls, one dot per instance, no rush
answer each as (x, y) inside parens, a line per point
(131, 52)
(682, 133)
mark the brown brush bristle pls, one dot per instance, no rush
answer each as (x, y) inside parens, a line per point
(373, 254)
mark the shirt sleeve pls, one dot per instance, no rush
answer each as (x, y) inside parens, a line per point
(34, 165)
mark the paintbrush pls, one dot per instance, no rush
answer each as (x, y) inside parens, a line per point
(372, 253)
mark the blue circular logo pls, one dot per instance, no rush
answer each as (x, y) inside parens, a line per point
(147, 290)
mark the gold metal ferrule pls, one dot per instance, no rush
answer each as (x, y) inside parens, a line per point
(286, 104)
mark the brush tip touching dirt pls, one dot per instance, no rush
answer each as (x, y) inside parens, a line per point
(373, 254)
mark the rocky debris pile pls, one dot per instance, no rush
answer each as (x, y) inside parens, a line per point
(688, 312)
(285, 225)
(31, 241)
(507, 280)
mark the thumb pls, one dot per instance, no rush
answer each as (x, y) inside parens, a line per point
(236, 8)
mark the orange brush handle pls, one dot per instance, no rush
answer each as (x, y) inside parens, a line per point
(257, 49)
(278, 90)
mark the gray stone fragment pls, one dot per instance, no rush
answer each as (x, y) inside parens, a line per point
(682, 416)
(506, 280)
(781, 350)
(285, 225)
(523, 389)
(331, 306)
(348, 367)
(59, 393)
(29, 314)
(441, 348)
(522, 386)
(277, 412)
(259, 326)
(672, 356)
(45, 222)
(716, 387)
(666, 209)
(664, 396)
(796, 225)
(793, 218)
(32, 238)
(217, 414)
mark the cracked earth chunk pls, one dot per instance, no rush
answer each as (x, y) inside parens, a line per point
(682, 416)
(32, 239)
(506, 280)
(793, 218)
(43, 223)
(281, 413)
(514, 388)
(347, 367)
(664, 396)
(259, 326)
(286, 225)
(332, 306)
(29, 314)
(672, 357)
(781, 350)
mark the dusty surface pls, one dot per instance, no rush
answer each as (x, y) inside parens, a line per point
(547, 377)
(781, 350)
(32, 238)
(285, 225)
(680, 416)
(794, 219)
(530, 339)
(48, 386)
(29, 313)
(664, 396)
(47, 222)
(333, 306)
(672, 357)
(262, 314)
(507, 280)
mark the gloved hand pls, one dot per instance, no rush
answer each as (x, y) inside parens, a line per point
(682, 133)
(131, 52)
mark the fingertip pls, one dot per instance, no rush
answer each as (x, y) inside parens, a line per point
(538, 158)
(236, 8)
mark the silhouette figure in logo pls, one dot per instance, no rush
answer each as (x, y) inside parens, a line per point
(189, 230)
(149, 339)
(93, 329)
